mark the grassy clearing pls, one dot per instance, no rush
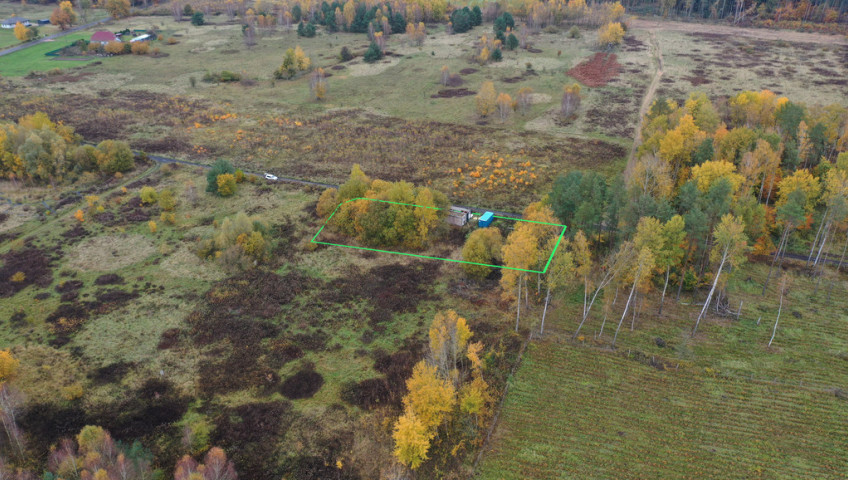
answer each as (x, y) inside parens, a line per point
(723, 403)
(32, 59)
(578, 412)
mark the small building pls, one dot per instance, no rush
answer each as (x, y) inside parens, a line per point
(103, 37)
(44, 21)
(141, 38)
(458, 216)
(485, 220)
(11, 22)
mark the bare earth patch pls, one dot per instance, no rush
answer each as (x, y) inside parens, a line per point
(365, 69)
(110, 252)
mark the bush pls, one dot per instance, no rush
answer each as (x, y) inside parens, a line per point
(140, 48)
(114, 48)
(197, 19)
(373, 53)
(218, 168)
(187, 10)
(573, 32)
(345, 55)
(552, 29)
(148, 195)
(172, 41)
(227, 76)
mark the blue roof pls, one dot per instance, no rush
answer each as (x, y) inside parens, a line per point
(486, 216)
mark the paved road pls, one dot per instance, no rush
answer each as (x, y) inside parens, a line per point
(52, 37)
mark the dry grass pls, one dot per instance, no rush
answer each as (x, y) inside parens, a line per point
(110, 252)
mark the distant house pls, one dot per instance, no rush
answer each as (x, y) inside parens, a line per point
(11, 22)
(103, 37)
(141, 38)
(44, 21)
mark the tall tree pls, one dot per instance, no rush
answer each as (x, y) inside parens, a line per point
(731, 244)
(671, 254)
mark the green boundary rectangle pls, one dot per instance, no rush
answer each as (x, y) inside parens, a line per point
(561, 235)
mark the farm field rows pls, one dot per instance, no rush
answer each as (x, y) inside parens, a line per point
(575, 412)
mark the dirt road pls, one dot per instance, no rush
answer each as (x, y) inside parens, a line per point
(757, 33)
(656, 53)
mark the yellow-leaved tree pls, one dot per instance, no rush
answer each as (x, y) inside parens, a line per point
(707, 173)
(485, 99)
(610, 34)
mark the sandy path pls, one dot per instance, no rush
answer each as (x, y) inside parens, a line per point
(758, 33)
(646, 101)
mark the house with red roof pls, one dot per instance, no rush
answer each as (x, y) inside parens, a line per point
(103, 37)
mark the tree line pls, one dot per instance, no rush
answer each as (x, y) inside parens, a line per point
(712, 183)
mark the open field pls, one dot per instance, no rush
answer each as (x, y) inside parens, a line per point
(35, 12)
(314, 341)
(24, 61)
(721, 404)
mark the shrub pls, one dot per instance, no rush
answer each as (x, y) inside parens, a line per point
(373, 53)
(218, 168)
(573, 32)
(197, 19)
(187, 10)
(552, 29)
(152, 226)
(167, 201)
(148, 195)
(227, 76)
(140, 48)
(345, 55)
(114, 48)
(172, 41)
(483, 246)
(192, 81)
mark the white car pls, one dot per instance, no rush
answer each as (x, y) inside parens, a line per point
(268, 176)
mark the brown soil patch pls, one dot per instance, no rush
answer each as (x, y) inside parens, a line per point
(33, 263)
(468, 71)
(303, 384)
(596, 71)
(453, 93)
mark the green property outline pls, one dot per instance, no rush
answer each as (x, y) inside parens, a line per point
(561, 235)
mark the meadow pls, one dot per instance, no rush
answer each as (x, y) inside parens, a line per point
(662, 403)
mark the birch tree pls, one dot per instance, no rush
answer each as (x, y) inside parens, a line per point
(673, 235)
(640, 272)
(729, 247)
(560, 272)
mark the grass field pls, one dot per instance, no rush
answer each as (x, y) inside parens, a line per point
(722, 404)
(31, 59)
(576, 412)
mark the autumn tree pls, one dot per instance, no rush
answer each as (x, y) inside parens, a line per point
(294, 63)
(730, 247)
(22, 33)
(524, 99)
(486, 99)
(504, 105)
(560, 271)
(94, 454)
(318, 84)
(671, 253)
(639, 272)
(519, 254)
(429, 401)
(63, 16)
(610, 35)
(570, 100)
(483, 246)
(791, 214)
(117, 8)
(220, 167)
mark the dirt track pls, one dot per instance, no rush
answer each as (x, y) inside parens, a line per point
(758, 33)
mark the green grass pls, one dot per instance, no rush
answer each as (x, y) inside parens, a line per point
(576, 412)
(722, 408)
(32, 59)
